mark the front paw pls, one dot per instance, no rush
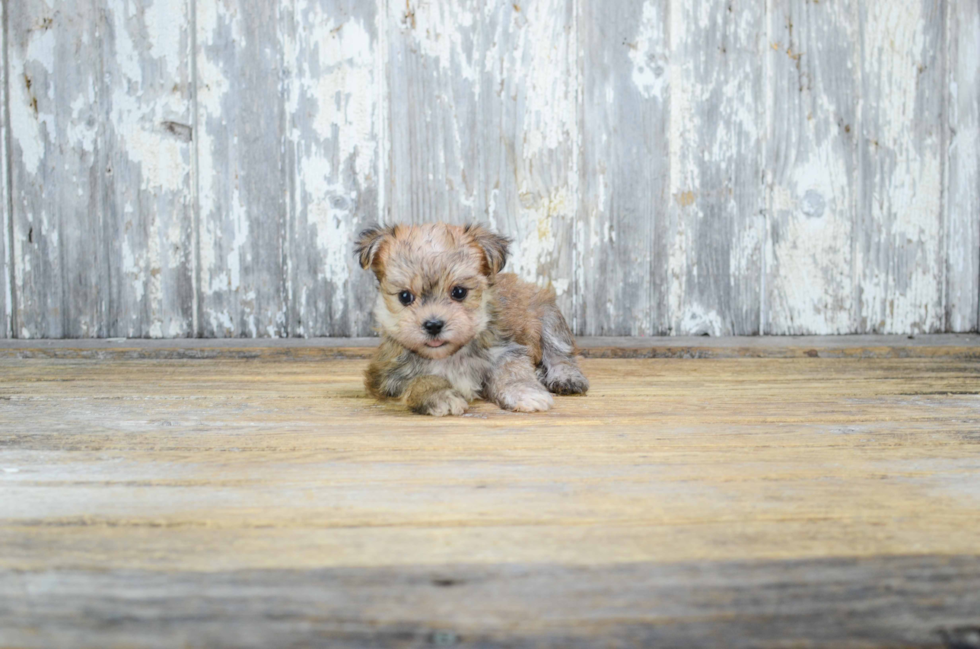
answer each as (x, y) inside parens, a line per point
(564, 378)
(444, 402)
(525, 398)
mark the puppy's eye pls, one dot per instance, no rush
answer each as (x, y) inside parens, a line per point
(406, 298)
(458, 293)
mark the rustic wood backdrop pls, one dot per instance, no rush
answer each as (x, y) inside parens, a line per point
(199, 167)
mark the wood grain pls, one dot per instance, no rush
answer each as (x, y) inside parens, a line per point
(433, 69)
(622, 228)
(918, 601)
(962, 166)
(335, 112)
(483, 105)
(148, 221)
(900, 251)
(223, 502)
(241, 172)
(812, 164)
(717, 206)
(667, 167)
(58, 161)
(529, 117)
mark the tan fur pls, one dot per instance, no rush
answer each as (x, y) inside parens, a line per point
(522, 306)
(501, 341)
(434, 395)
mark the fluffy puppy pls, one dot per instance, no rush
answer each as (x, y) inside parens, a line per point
(454, 328)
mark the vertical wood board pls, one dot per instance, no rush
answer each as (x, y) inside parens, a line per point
(811, 158)
(241, 174)
(961, 199)
(900, 251)
(529, 137)
(334, 111)
(622, 223)
(433, 87)
(717, 220)
(57, 169)
(148, 221)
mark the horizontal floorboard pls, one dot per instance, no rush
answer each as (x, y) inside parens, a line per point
(927, 601)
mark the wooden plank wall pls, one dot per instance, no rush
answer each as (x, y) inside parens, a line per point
(179, 168)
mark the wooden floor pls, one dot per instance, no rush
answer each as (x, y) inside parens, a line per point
(266, 502)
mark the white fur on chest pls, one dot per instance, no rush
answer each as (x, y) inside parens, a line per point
(465, 371)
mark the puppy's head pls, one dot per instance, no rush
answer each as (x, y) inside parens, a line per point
(433, 280)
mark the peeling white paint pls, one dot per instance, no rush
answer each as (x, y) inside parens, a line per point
(684, 177)
(133, 270)
(647, 55)
(127, 57)
(334, 68)
(698, 320)
(961, 184)
(903, 290)
(437, 30)
(165, 21)
(212, 88)
(345, 92)
(26, 124)
(138, 112)
(530, 60)
(81, 132)
(812, 257)
(499, 137)
(151, 165)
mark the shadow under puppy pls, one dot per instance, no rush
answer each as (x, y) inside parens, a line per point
(453, 328)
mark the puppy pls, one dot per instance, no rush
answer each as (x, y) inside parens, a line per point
(454, 328)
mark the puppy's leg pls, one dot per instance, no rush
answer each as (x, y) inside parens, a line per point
(559, 370)
(434, 395)
(512, 385)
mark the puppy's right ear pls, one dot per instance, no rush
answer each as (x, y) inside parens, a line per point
(495, 248)
(369, 243)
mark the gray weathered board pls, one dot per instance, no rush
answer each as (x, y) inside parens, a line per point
(176, 168)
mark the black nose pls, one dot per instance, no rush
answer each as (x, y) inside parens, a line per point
(433, 326)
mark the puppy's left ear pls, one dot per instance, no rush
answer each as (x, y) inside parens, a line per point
(369, 243)
(495, 247)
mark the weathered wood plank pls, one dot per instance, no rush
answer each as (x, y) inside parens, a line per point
(148, 218)
(903, 601)
(962, 168)
(6, 296)
(900, 250)
(483, 125)
(335, 110)
(717, 122)
(528, 115)
(241, 170)
(622, 236)
(433, 85)
(814, 61)
(57, 167)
